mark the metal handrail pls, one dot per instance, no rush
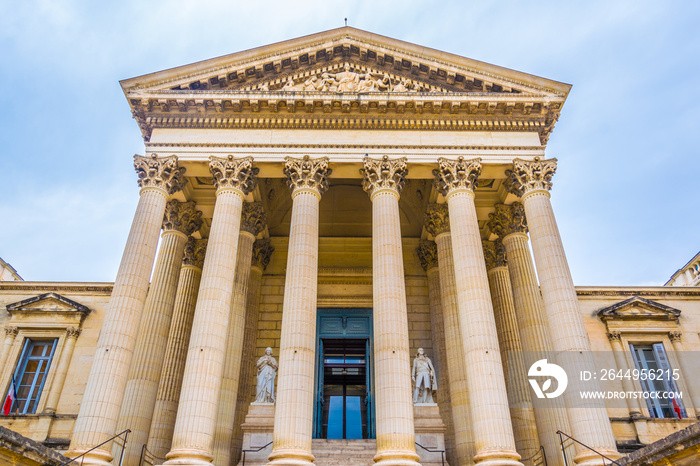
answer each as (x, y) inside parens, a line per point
(146, 454)
(442, 452)
(121, 458)
(561, 442)
(253, 450)
(540, 450)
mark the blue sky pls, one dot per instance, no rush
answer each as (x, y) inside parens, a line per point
(625, 194)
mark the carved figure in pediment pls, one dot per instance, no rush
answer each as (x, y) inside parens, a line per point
(289, 85)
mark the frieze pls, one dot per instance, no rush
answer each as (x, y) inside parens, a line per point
(33, 287)
(349, 146)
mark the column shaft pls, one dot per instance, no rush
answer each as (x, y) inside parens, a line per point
(62, 370)
(394, 404)
(246, 390)
(165, 410)
(456, 367)
(437, 326)
(295, 385)
(493, 431)
(686, 371)
(550, 413)
(228, 396)
(99, 409)
(524, 427)
(196, 417)
(588, 417)
(144, 375)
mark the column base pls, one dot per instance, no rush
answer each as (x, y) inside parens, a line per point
(291, 457)
(188, 457)
(396, 458)
(497, 458)
(589, 458)
(98, 457)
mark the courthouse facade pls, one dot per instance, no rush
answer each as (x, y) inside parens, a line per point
(343, 199)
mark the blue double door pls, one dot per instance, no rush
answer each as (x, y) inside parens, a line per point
(344, 408)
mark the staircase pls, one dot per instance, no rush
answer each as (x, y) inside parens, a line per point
(344, 452)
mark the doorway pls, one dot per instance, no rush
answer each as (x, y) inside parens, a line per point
(344, 408)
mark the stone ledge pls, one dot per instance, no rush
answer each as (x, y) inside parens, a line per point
(680, 448)
(18, 449)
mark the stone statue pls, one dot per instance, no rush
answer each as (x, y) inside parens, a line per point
(267, 370)
(423, 376)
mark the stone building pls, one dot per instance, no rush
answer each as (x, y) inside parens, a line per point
(344, 199)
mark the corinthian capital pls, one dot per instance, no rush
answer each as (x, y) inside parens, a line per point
(457, 174)
(508, 219)
(262, 250)
(307, 173)
(531, 176)
(11, 331)
(233, 173)
(159, 172)
(73, 332)
(383, 174)
(194, 252)
(494, 254)
(437, 219)
(428, 255)
(253, 218)
(182, 217)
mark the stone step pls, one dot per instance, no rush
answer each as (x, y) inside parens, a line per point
(344, 452)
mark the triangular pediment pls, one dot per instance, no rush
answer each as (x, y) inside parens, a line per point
(345, 71)
(47, 302)
(638, 308)
(423, 68)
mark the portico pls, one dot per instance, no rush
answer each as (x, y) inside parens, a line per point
(314, 169)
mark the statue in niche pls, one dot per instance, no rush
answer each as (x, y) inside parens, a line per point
(423, 377)
(267, 370)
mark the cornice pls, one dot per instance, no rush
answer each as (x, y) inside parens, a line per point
(614, 292)
(32, 287)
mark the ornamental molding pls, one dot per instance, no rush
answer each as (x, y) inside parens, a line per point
(527, 176)
(11, 331)
(262, 252)
(348, 146)
(345, 70)
(494, 254)
(675, 336)
(462, 174)
(195, 250)
(307, 173)
(383, 174)
(159, 172)
(638, 308)
(437, 219)
(232, 173)
(428, 254)
(253, 218)
(508, 219)
(182, 217)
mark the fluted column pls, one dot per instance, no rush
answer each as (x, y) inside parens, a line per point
(685, 368)
(165, 410)
(437, 223)
(524, 428)
(493, 431)
(509, 223)
(428, 255)
(308, 180)
(180, 221)
(72, 334)
(588, 417)
(634, 406)
(262, 250)
(196, 416)
(10, 335)
(383, 181)
(99, 410)
(252, 224)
